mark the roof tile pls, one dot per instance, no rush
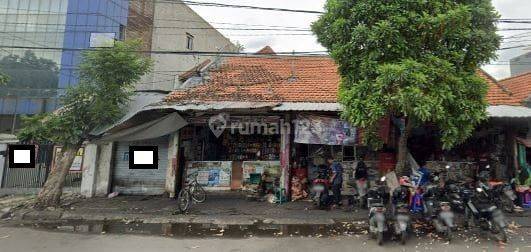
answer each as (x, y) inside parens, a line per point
(519, 85)
(288, 79)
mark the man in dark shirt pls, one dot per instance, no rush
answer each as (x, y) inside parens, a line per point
(361, 175)
(336, 180)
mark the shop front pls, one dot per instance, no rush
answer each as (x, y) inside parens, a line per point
(237, 152)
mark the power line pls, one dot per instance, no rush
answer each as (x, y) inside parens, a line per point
(212, 4)
(302, 53)
(162, 27)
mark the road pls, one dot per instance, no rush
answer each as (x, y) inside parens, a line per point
(25, 239)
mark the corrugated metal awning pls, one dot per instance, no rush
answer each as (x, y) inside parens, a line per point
(506, 111)
(206, 106)
(308, 106)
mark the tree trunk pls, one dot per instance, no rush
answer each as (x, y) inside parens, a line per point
(50, 194)
(402, 149)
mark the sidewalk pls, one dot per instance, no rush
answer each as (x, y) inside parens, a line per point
(219, 209)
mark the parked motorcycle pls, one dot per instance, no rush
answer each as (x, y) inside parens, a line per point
(320, 188)
(377, 198)
(504, 196)
(481, 210)
(401, 198)
(438, 210)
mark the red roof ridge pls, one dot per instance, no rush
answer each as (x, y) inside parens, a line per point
(266, 50)
(188, 74)
(515, 76)
(503, 87)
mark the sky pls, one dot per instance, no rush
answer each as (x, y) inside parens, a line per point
(255, 40)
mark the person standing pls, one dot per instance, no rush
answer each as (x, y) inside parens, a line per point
(336, 180)
(361, 177)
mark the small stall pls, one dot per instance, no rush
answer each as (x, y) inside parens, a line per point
(242, 153)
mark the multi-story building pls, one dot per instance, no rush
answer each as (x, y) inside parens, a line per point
(521, 64)
(41, 42)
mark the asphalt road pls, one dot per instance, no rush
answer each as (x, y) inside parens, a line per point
(25, 239)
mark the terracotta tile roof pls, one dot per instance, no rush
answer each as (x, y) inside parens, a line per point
(287, 79)
(267, 79)
(519, 85)
(497, 93)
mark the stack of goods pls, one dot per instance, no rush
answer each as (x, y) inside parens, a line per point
(297, 189)
(251, 147)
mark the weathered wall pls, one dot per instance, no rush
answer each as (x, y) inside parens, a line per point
(182, 20)
(140, 22)
(144, 182)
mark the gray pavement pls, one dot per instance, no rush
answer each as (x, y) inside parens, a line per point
(28, 240)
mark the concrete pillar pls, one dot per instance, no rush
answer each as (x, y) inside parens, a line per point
(3, 161)
(171, 172)
(103, 170)
(285, 138)
(88, 181)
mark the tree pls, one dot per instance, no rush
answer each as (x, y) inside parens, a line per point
(412, 59)
(106, 81)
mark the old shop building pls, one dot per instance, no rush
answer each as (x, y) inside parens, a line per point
(241, 117)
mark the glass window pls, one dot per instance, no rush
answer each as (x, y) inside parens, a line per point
(55, 6)
(189, 41)
(34, 6)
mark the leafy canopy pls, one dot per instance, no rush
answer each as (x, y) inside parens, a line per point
(411, 58)
(106, 81)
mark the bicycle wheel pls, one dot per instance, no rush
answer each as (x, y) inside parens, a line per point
(198, 193)
(183, 200)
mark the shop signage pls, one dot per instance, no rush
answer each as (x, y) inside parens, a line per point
(78, 160)
(271, 167)
(211, 173)
(310, 129)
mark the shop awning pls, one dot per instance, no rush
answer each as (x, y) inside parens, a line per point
(505, 111)
(212, 106)
(149, 130)
(135, 106)
(308, 106)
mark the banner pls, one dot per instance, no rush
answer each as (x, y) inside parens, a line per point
(211, 173)
(311, 129)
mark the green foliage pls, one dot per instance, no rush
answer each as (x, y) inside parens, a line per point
(3, 79)
(411, 58)
(107, 77)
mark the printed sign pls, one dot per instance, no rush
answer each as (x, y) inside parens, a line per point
(271, 167)
(78, 160)
(311, 129)
(211, 173)
(102, 39)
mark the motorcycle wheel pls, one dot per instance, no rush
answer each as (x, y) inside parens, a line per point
(502, 234)
(448, 234)
(379, 238)
(507, 205)
(320, 203)
(403, 237)
(469, 219)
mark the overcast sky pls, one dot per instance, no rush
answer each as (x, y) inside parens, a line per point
(254, 40)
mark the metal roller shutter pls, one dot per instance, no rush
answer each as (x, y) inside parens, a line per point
(140, 182)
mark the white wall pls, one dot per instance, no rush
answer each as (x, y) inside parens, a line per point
(168, 66)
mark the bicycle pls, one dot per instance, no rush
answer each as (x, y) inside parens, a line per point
(192, 192)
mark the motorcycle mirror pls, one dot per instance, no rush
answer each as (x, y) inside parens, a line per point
(382, 179)
(479, 189)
